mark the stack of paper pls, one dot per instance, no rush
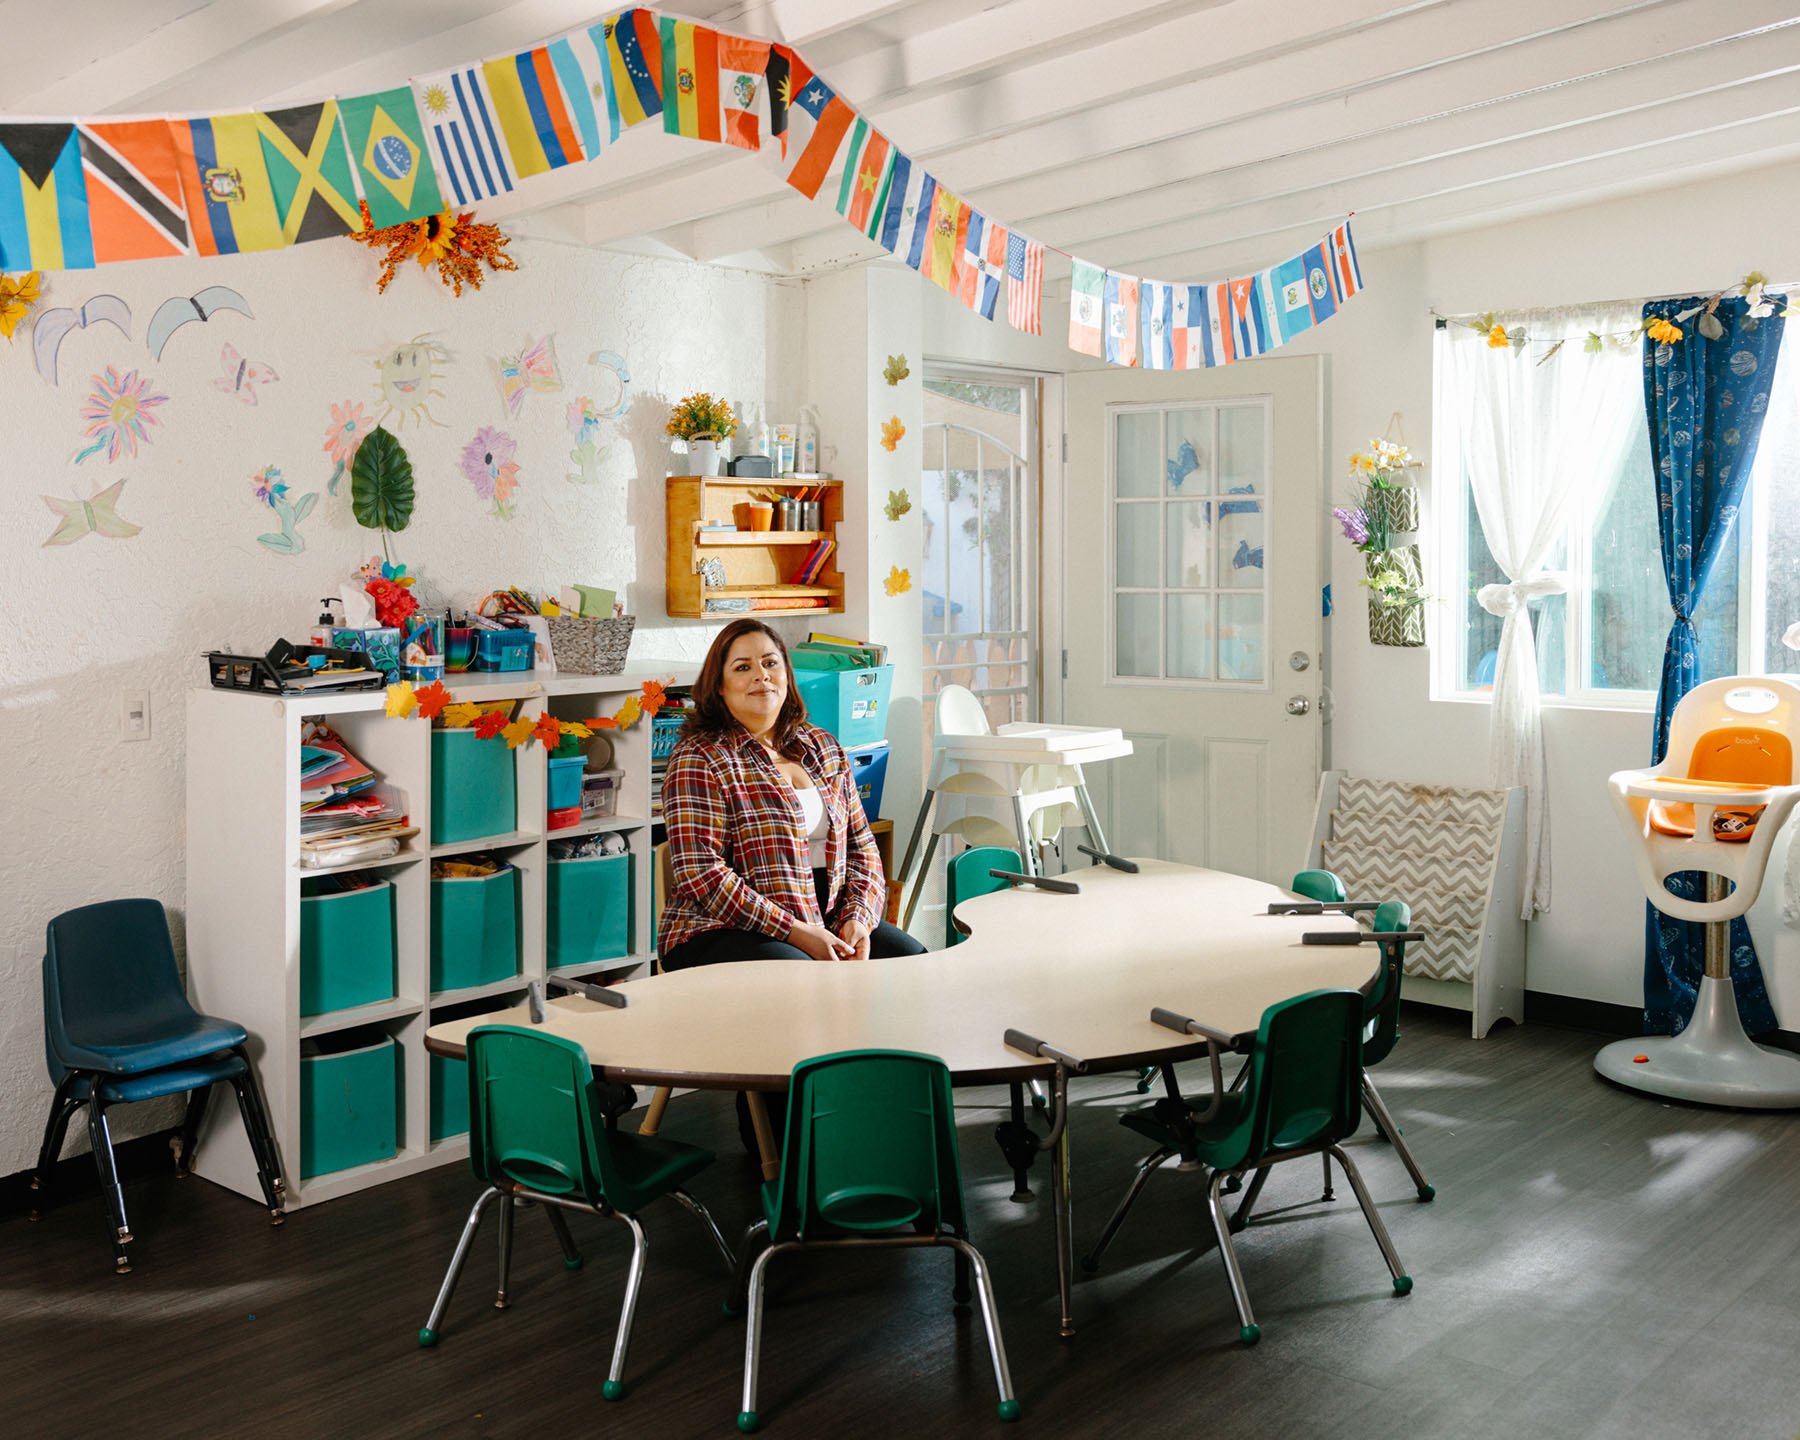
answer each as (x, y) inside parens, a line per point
(346, 814)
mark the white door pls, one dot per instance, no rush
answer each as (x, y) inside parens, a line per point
(1192, 521)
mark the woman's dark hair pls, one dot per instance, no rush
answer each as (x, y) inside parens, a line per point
(711, 720)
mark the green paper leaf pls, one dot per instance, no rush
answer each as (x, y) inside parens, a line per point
(381, 483)
(898, 503)
(1592, 345)
(303, 506)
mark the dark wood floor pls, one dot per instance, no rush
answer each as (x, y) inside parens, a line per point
(1596, 1264)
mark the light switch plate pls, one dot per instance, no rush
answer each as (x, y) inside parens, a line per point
(134, 715)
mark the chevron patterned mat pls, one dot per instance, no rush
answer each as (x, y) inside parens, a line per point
(1451, 803)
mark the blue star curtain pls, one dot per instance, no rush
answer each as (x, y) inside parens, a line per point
(1705, 401)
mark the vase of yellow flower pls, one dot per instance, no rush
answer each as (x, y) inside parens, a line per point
(702, 422)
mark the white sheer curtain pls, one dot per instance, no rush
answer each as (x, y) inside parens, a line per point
(1534, 435)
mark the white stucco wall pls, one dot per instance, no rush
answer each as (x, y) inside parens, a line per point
(1697, 239)
(92, 817)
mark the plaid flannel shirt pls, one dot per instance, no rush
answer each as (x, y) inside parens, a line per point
(737, 840)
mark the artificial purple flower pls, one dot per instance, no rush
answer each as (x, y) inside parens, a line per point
(1355, 523)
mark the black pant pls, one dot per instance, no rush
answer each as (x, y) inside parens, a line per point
(718, 947)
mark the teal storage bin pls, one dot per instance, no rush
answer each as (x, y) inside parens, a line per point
(588, 907)
(868, 767)
(449, 1097)
(346, 949)
(474, 930)
(565, 781)
(349, 1106)
(474, 788)
(851, 704)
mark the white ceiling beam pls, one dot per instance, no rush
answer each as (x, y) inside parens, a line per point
(1396, 204)
(1063, 85)
(1328, 92)
(1576, 120)
(62, 40)
(802, 20)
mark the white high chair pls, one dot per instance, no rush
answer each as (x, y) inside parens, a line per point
(1715, 803)
(1035, 769)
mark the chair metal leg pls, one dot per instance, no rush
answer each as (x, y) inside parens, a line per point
(740, 1270)
(747, 1418)
(1248, 1330)
(262, 1141)
(571, 1255)
(100, 1141)
(1090, 1262)
(984, 1288)
(1242, 1216)
(63, 1106)
(189, 1133)
(614, 1387)
(704, 1216)
(1402, 1281)
(1328, 1193)
(507, 1204)
(1384, 1122)
(429, 1334)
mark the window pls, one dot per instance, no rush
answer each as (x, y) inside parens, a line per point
(1189, 591)
(1601, 644)
(978, 509)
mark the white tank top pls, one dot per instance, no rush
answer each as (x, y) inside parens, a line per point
(812, 811)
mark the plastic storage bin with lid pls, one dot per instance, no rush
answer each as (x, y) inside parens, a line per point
(852, 704)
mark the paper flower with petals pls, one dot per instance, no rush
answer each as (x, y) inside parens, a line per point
(487, 463)
(118, 412)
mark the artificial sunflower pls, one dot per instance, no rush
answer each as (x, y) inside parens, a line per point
(456, 244)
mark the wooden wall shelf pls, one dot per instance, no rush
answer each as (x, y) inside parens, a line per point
(758, 564)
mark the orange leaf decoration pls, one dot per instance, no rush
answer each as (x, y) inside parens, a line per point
(891, 431)
(654, 698)
(517, 733)
(604, 722)
(432, 700)
(548, 731)
(490, 723)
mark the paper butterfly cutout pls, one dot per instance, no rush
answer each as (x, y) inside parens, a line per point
(1246, 558)
(534, 368)
(241, 376)
(88, 517)
(1183, 465)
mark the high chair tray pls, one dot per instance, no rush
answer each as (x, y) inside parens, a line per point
(1681, 789)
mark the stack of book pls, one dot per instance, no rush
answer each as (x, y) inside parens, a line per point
(347, 816)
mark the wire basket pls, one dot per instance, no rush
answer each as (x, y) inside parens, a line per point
(593, 646)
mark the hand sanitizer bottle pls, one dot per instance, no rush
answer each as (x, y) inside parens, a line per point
(806, 459)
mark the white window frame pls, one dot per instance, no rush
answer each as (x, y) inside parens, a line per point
(1448, 568)
(1264, 496)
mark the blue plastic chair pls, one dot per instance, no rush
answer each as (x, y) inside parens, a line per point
(537, 1133)
(869, 1159)
(117, 1028)
(967, 876)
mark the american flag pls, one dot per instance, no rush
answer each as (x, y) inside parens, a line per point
(1024, 282)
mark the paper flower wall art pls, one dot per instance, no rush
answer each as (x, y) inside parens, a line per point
(584, 425)
(119, 411)
(348, 426)
(18, 293)
(891, 431)
(898, 581)
(487, 463)
(266, 488)
(97, 516)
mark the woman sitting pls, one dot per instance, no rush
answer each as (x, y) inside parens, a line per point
(772, 856)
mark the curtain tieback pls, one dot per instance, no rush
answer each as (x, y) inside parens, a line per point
(1502, 600)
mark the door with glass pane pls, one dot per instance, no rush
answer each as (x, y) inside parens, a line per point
(1192, 510)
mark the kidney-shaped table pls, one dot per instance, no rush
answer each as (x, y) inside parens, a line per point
(1078, 972)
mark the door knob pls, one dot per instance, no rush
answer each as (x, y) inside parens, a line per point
(1298, 705)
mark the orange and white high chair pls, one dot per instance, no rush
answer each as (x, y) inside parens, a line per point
(1714, 804)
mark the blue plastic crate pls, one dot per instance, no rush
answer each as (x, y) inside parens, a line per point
(665, 730)
(503, 650)
(565, 781)
(851, 704)
(868, 765)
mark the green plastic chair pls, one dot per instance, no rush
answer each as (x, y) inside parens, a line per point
(967, 876)
(1319, 885)
(1303, 1096)
(536, 1135)
(869, 1160)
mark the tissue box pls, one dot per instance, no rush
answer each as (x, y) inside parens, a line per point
(381, 643)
